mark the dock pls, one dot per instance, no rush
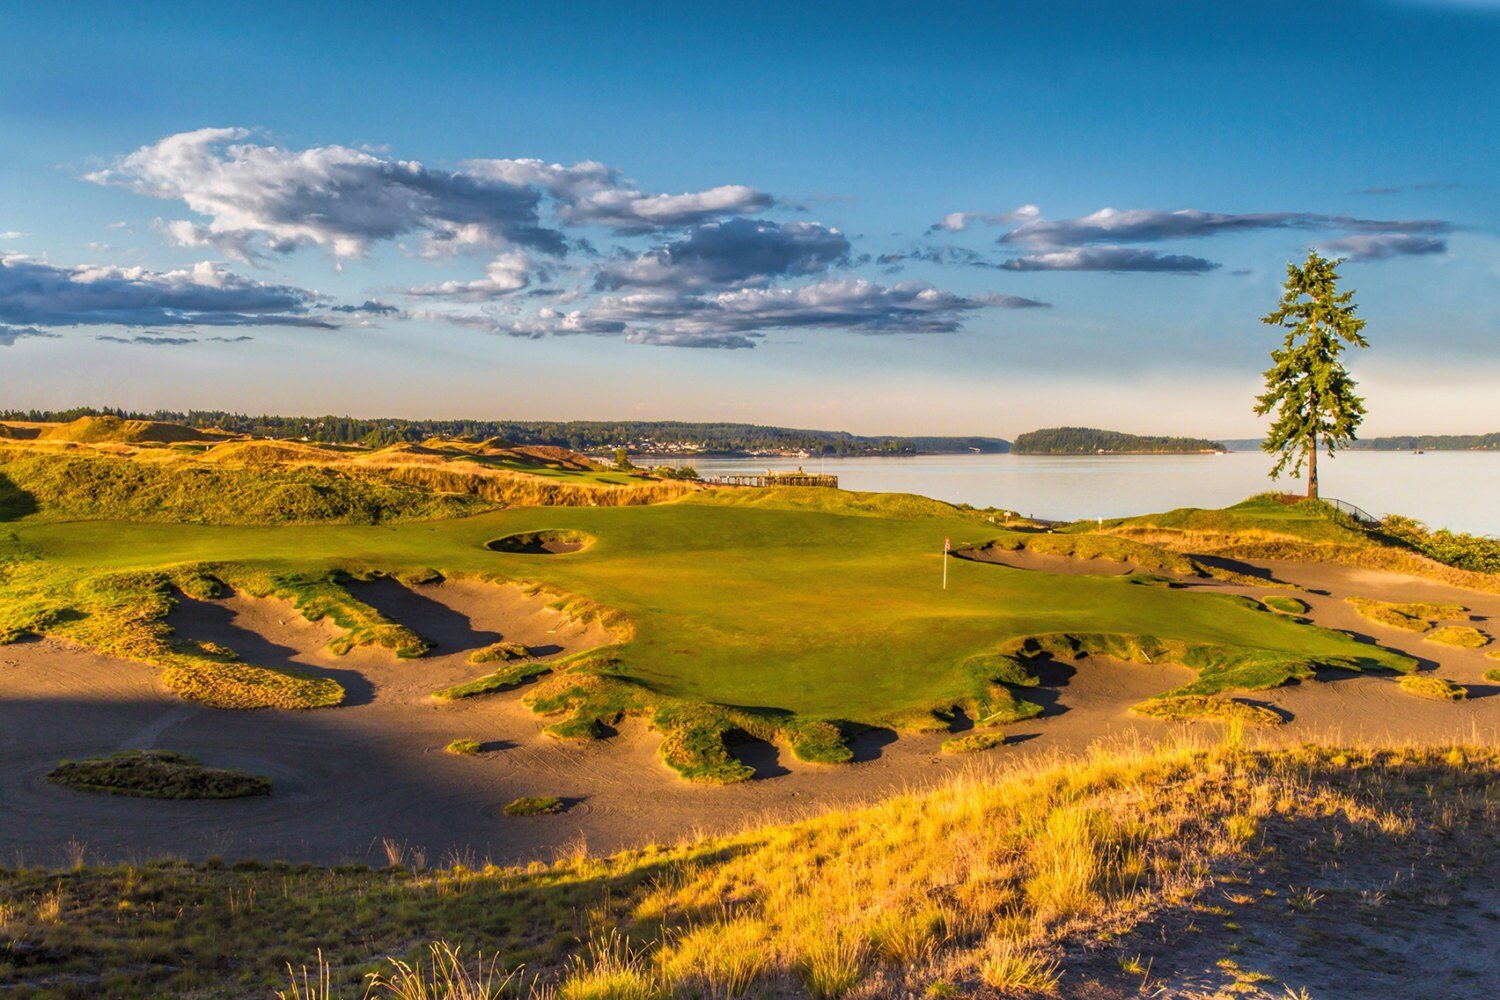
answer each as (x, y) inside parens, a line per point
(770, 478)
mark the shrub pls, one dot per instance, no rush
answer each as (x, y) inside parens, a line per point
(534, 805)
(1428, 686)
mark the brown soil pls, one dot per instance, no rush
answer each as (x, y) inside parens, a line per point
(348, 778)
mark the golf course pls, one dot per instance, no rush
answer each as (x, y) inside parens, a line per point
(424, 665)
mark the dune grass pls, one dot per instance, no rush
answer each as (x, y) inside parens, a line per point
(1197, 707)
(1428, 686)
(981, 882)
(156, 774)
(974, 742)
(499, 652)
(1410, 616)
(1461, 636)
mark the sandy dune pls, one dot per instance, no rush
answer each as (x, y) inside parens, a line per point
(347, 779)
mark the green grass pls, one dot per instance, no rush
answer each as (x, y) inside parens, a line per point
(463, 747)
(534, 805)
(1195, 707)
(156, 774)
(1461, 636)
(1493, 674)
(1428, 686)
(787, 614)
(1285, 605)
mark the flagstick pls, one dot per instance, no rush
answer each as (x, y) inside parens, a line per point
(945, 564)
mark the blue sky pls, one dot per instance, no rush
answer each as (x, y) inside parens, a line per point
(597, 211)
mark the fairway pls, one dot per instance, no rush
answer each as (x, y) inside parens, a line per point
(765, 616)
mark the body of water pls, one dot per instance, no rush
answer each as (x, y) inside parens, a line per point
(1459, 490)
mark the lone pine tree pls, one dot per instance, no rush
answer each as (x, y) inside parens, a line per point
(1307, 385)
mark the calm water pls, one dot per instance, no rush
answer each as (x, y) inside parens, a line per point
(1457, 490)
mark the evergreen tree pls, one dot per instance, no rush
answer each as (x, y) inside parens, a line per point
(1307, 385)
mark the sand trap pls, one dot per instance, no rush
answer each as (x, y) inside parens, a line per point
(552, 542)
(1045, 562)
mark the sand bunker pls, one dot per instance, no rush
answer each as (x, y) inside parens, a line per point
(550, 542)
(1044, 562)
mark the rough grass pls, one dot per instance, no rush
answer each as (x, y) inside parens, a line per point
(1411, 616)
(984, 883)
(1428, 686)
(463, 747)
(534, 805)
(1462, 636)
(157, 774)
(1196, 707)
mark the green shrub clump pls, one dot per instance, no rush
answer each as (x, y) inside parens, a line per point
(463, 747)
(499, 652)
(157, 774)
(534, 805)
(1462, 636)
(974, 742)
(1195, 707)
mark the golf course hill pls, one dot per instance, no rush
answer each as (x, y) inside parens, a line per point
(107, 467)
(1092, 441)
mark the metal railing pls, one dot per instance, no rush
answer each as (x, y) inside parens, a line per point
(1358, 513)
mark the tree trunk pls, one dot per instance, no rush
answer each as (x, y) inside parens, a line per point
(1312, 469)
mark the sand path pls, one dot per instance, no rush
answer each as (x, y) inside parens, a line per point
(348, 779)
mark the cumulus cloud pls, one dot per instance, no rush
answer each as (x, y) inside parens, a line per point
(1110, 258)
(369, 307)
(259, 198)
(736, 252)
(40, 294)
(1380, 246)
(505, 275)
(1109, 225)
(957, 222)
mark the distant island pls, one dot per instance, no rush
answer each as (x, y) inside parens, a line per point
(641, 437)
(1092, 441)
(1402, 442)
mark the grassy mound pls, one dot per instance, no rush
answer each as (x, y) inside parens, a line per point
(1428, 686)
(96, 430)
(1076, 869)
(534, 805)
(1285, 605)
(1412, 616)
(1277, 526)
(157, 774)
(1462, 636)
(463, 747)
(1196, 707)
